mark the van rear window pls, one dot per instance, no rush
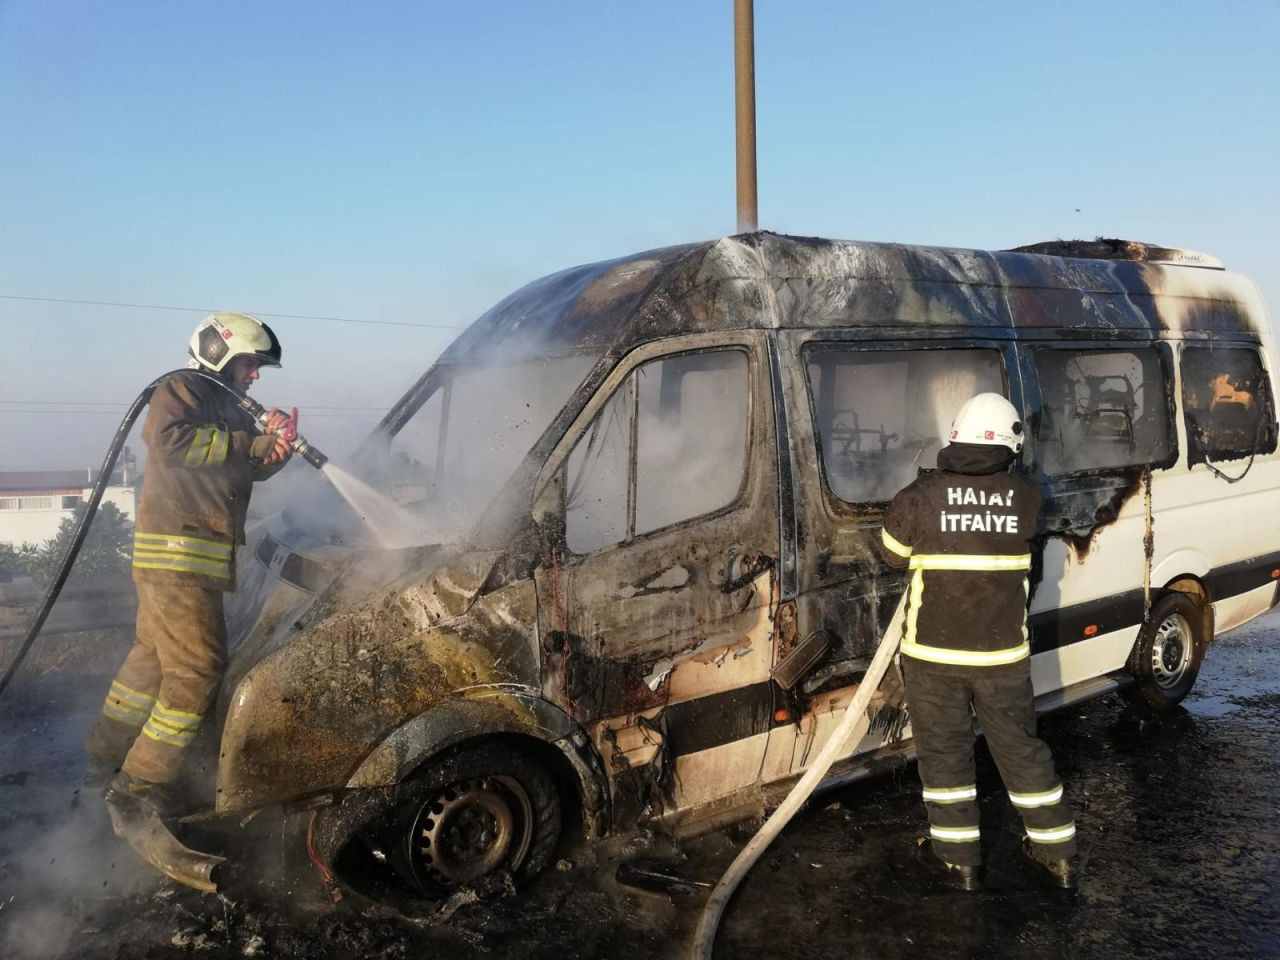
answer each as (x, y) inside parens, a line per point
(881, 415)
(1102, 409)
(1226, 399)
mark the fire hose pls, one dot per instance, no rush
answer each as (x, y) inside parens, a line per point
(254, 409)
(852, 726)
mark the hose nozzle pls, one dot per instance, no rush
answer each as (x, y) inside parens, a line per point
(299, 444)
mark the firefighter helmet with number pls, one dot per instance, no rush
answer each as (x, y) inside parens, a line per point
(221, 336)
(990, 419)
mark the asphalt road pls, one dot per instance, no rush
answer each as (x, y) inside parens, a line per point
(1178, 821)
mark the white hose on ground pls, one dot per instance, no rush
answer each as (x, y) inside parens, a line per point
(855, 721)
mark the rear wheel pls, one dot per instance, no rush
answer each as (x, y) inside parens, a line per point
(1167, 655)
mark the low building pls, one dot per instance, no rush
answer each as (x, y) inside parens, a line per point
(34, 503)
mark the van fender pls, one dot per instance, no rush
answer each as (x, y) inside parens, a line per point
(1186, 570)
(1182, 563)
(484, 711)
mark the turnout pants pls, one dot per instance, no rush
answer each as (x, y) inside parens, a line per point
(943, 701)
(166, 684)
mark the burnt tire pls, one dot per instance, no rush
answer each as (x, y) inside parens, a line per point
(477, 814)
(1167, 655)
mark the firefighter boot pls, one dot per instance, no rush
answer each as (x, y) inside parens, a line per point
(959, 875)
(126, 792)
(98, 774)
(1062, 873)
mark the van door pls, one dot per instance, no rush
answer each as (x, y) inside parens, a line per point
(1103, 439)
(654, 603)
(865, 418)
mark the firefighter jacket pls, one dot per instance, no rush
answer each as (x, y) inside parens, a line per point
(203, 455)
(964, 532)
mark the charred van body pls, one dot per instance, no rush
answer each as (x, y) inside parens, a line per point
(651, 490)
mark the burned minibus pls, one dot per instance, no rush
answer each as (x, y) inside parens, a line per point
(632, 574)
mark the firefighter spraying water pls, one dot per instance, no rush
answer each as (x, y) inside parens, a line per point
(204, 455)
(208, 443)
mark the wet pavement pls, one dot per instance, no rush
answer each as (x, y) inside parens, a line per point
(1178, 822)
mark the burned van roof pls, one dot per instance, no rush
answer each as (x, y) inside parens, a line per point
(766, 280)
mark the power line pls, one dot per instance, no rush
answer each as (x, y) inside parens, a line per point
(257, 313)
(119, 404)
(32, 411)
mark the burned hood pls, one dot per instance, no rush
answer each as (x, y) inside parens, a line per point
(382, 646)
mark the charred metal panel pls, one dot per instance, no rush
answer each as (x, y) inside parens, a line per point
(788, 528)
(477, 710)
(573, 310)
(613, 306)
(1113, 248)
(1076, 510)
(827, 284)
(379, 650)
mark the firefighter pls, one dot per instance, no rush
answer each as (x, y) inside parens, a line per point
(964, 532)
(204, 454)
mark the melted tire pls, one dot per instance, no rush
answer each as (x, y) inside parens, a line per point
(496, 812)
(1167, 655)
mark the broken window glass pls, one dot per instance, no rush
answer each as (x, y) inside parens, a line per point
(452, 457)
(691, 442)
(1102, 409)
(1227, 403)
(882, 415)
(687, 417)
(596, 490)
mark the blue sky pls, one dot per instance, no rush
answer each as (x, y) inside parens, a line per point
(414, 162)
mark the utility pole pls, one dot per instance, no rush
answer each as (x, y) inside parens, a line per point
(744, 70)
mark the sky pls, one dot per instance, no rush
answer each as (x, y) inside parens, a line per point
(405, 165)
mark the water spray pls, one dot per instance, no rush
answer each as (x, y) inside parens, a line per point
(259, 413)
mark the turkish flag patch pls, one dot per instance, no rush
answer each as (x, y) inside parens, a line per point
(989, 435)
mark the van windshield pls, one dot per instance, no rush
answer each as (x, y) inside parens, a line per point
(452, 456)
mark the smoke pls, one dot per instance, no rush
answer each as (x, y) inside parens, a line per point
(63, 875)
(69, 881)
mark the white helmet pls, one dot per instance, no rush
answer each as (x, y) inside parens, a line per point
(221, 336)
(990, 419)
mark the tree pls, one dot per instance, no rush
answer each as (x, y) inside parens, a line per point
(12, 563)
(106, 550)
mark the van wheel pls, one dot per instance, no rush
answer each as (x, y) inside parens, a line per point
(1166, 657)
(483, 812)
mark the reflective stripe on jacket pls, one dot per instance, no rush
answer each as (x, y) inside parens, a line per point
(202, 451)
(965, 538)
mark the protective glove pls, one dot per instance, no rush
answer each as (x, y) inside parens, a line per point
(270, 448)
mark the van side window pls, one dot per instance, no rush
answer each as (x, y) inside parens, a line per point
(1226, 399)
(881, 415)
(685, 417)
(1102, 409)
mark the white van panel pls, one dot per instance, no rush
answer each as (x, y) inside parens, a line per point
(793, 747)
(1055, 669)
(1236, 610)
(702, 777)
(1112, 564)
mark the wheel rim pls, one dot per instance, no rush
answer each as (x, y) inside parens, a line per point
(1171, 651)
(469, 829)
